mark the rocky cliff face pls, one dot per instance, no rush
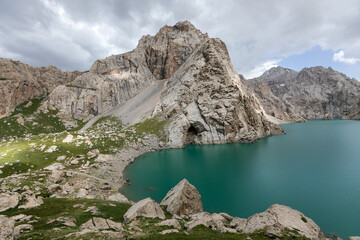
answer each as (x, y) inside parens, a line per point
(20, 82)
(116, 79)
(312, 93)
(206, 102)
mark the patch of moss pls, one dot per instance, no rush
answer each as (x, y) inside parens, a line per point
(3, 79)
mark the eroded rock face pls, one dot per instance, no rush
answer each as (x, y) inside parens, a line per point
(279, 217)
(207, 102)
(313, 93)
(184, 198)
(115, 79)
(20, 82)
(170, 47)
(145, 208)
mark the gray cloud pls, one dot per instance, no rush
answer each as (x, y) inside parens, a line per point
(72, 34)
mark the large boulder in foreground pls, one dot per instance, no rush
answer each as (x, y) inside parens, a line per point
(278, 217)
(184, 198)
(144, 208)
(6, 228)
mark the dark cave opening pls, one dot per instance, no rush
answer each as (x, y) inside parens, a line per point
(191, 135)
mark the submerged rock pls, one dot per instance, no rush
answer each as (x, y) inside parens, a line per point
(184, 198)
(145, 208)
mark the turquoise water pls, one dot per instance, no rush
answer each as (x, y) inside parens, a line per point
(314, 168)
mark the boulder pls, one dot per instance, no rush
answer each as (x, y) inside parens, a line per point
(354, 238)
(8, 200)
(96, 224)
(183, 199)
(214, 221)
(57, 166)
(93, 153)
(56, 176)
(170, 223)
(69, 138)
(167, 231)
(145, 208)
(118, 197)
(54, 188)
(279, 217)
(60, 158)
(6, 228)
(51, 149)
(82, 193)
(31, 200)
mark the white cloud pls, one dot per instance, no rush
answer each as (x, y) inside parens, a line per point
(73, 34)
(260, 69)
(340, 57)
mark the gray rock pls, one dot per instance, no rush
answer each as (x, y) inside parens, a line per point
(8, 200)
(21, 228)
(118, 197)
(184, 198)
(145, 208)
(56, 176)
(214, 221)
(67, 221)
(354, 238)
(97, 224)
(167, 231)
(279, 217)
(170, 223)
(31, 200)
(6, 228)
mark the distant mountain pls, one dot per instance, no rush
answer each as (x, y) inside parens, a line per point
(20, 82)
(312, 93)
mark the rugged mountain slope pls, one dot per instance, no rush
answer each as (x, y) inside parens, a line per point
(20, 82)
(312, 93)
(205, 101)
(116, 79)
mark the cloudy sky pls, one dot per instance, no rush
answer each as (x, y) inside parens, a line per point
(72, 34)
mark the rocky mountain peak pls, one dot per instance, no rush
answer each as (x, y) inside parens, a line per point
(170, 47)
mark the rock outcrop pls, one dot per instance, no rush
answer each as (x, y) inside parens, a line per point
(206, 102)
(278, 217)
(145, 208)
(313, 93)
(20, 82)
(184, 198)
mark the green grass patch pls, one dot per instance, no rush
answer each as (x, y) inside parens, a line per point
(58, 207)
(151, 126)
(3, 79)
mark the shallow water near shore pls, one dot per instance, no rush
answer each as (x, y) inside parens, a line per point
(314, 168)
